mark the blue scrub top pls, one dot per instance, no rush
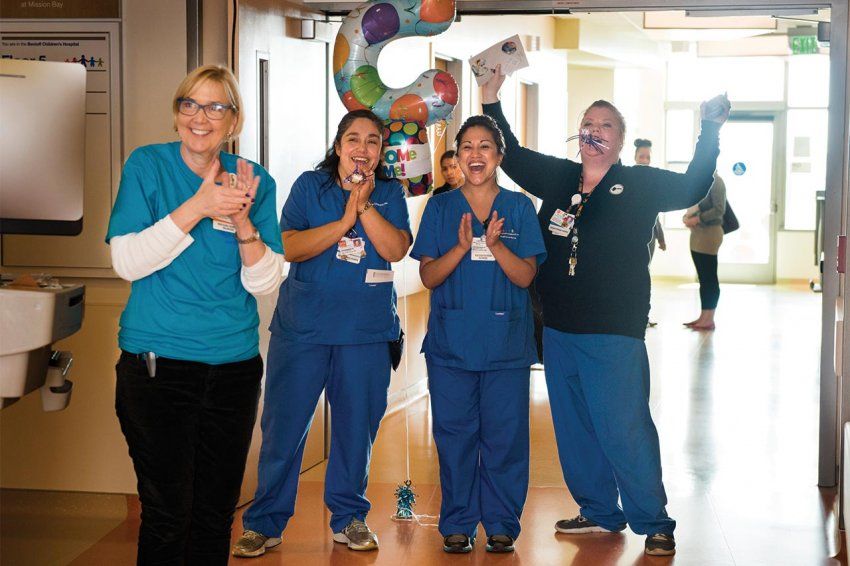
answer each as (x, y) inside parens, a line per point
(195, 308)
(479, 320)
(326, 300)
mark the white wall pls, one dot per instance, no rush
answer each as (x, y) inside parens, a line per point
(794, 256)
(585, 86)
(639, 94)
(82, 448)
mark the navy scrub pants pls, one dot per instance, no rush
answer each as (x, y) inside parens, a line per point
(481, 431)
(607, 443)
(356, 378)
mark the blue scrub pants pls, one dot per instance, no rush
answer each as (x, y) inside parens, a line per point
(481, 431)
(607, 443)
(356, 378)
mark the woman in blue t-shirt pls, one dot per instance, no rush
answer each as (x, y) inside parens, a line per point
(343, 225)
(479, 248)
(195, 230)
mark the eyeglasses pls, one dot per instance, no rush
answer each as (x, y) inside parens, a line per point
(213, 110)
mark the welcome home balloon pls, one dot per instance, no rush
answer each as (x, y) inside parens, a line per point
(408, 110)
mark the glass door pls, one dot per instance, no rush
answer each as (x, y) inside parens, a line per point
(746, 165)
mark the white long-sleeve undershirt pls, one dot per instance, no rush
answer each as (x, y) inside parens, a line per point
(139, 254)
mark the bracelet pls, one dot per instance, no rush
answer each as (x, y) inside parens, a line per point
(366, 207)
(252, 238)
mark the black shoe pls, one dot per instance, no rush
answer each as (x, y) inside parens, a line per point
(660, 544)
(579, 525)
(458, 544)
(500, 543)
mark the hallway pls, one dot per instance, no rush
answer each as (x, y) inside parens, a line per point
(737, 414)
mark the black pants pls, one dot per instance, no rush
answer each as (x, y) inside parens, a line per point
(188, 430)
(709, 285)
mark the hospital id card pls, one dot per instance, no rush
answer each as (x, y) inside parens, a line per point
(480, 251)
(351, 250)
(379, 275)
(562, 221)
(223, 223)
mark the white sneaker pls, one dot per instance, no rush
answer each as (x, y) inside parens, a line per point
(357, 536)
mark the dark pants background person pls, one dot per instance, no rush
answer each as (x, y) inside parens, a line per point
(709, 284)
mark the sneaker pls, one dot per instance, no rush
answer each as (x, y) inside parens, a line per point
(500, 543)
(660, 544)
(252, 544)
(458, 544)
(357, 536)
(579, 525)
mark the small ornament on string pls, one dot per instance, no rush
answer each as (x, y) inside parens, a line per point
(585, 137)
(405, 501)
(357, 176)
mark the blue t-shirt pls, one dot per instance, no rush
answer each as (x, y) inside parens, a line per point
(479, 319)
(196, 307)
(326, 300)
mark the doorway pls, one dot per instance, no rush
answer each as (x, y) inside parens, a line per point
(746, 165)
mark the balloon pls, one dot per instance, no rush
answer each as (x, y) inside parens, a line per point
(380, 22)
(367, 86)
(409, 107)
(437, 10)
(446, 88)
(408, 110)
(341, 51)
(352, 103)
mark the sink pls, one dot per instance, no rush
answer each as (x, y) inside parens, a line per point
(32, 318)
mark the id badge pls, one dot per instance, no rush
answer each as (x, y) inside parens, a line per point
(480, 251)
(223, 223)
(351, 250)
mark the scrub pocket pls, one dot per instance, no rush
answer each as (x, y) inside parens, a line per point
(335, 313)
(507, 336)
(451, 333)
(375, 308)
(314, 313)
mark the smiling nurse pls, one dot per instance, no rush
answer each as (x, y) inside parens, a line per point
(479, 248)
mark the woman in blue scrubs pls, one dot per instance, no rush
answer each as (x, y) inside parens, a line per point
(343, 224)
(479, 248)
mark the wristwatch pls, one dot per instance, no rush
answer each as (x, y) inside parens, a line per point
(366, 207)
(252, 238)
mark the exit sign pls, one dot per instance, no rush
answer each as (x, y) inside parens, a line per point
(804, 44)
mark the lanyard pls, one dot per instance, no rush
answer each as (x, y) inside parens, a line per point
(578, 208)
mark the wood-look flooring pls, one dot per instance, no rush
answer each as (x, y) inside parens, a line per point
(737, 413)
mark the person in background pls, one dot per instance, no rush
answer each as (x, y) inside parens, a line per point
(479, 248)
(595, 289)
(343, 225)
(195, 230)
(643, 156)
(452, 173)
(704, 220)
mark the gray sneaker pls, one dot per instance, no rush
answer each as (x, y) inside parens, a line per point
(579, 525)
(357, 536)
(252, 544)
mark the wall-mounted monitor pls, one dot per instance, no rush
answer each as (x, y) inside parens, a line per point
(42, 147)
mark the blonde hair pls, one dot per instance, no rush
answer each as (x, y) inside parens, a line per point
(618, 117)
(217, 74)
